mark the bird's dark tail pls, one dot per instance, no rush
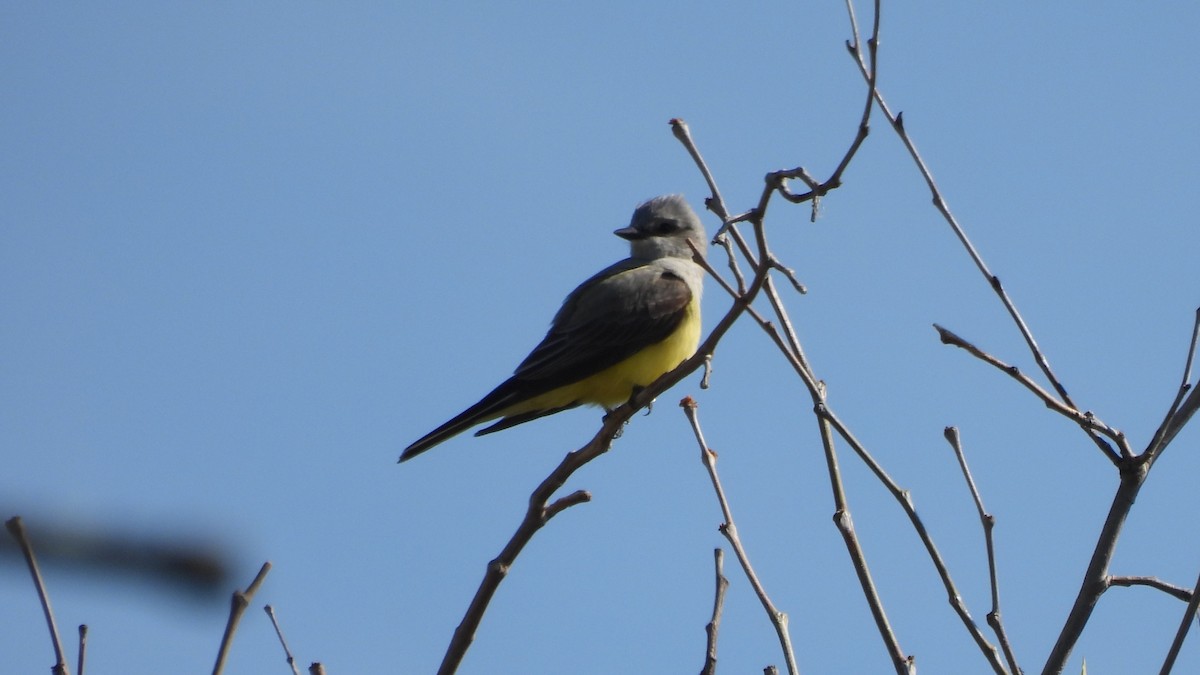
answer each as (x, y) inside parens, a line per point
(489, 408)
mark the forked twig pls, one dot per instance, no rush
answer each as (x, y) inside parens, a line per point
(904, 498)
(988, 522)
(728, 528)
(1181, 409)
(238, 605)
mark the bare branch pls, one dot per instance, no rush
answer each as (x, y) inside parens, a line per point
(1153, 582)
(291, 660)
(791, 276)
(1171, 421)
(536, 516)
(845, 525)
(897, 122)
(715, 203)
(728, 528)
(871, 74)
(240, 601)
(904, 498)
(988, 522)
(1084, 419)
(1181, 634)
(714, 624)
(16, 528)
(1096, 579)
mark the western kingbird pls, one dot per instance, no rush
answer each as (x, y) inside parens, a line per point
(616, 333)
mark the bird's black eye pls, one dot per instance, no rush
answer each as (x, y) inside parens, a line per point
(665, 227)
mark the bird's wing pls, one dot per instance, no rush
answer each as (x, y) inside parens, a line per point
(610, 317)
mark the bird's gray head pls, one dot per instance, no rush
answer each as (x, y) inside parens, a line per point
(662, 227)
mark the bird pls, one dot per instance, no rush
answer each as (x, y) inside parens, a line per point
(614, 334)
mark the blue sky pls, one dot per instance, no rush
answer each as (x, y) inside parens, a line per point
(248, 253)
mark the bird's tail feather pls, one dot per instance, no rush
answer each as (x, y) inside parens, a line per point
(514, 420)
(486, 409)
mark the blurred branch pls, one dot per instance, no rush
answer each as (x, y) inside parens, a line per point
(988, 522)
(240, 601)
(714, 624)
(181, 565)
(16, 528)
(728, 528)
(83, 631)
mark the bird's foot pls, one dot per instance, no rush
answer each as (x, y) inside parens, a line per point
(637, 390)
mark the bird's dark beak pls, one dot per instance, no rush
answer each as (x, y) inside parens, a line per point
(630, 233)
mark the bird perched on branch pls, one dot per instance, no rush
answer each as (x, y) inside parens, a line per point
(615, 334)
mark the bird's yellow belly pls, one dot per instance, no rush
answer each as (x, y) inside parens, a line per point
(613, 386)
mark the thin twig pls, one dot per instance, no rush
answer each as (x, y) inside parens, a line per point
(939, 202)
(238, 605)
(1181, 634)
(536, 516)
(1178, 592)
(904, 498)
(988, 522)
(795, 354)
(724, 242)
(1083, 419)
(728, 528)
(1156, 442)
(790, 274)
(715, 203)
(792, 351)
(714, 624)
(291, 660)
(83, 632)
(835, 179)
(16, 528)
(845, 525)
